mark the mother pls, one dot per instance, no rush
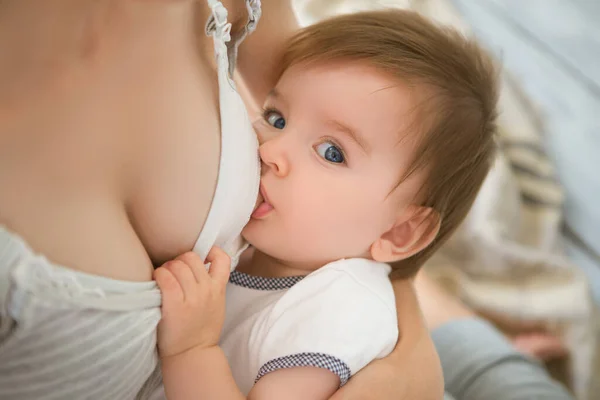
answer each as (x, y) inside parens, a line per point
(113, 159)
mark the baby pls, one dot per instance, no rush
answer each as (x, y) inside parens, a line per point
(374, 144)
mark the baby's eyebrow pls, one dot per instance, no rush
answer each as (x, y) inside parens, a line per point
(274, 93)
(352, 133)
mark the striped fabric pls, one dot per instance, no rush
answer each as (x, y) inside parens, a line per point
(68, 335)
(318, 360)
(261, 283)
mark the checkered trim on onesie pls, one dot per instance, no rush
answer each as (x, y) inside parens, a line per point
(318, 360)
(262, 283)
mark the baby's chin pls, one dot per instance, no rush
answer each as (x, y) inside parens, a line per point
(250, 234)
(257, 238)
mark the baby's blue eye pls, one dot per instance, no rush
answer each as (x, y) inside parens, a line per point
(330, 153)
(275, 119)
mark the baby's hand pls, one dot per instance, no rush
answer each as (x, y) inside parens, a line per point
(193, 301)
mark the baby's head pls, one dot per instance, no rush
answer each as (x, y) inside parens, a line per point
(374, 142)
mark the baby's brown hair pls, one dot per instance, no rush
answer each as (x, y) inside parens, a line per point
(456, 123)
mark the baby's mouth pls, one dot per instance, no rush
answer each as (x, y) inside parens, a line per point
(263, 206)
(259, 201)
(262, 210)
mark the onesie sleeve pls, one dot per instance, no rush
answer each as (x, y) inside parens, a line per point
(338, 318)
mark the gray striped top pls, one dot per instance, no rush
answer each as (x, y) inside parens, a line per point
(70, 335)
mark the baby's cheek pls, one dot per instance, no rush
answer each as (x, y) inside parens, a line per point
(334, 227)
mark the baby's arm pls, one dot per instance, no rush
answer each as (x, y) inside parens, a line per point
(193, 364)
(193, 311)
(304, 383)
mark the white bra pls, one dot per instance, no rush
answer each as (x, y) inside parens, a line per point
(239, 168)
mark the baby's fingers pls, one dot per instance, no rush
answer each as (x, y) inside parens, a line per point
(168, 285)
(220, 265)
(185, 277)
(196, 264)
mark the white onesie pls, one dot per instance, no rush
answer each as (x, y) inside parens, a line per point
(340, 318)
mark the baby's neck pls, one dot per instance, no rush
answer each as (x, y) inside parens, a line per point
(257, 263)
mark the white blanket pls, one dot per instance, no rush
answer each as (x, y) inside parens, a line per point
(507, 257)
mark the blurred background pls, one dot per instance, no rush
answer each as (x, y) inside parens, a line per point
(552, 49)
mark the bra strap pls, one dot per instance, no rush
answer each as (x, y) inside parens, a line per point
(218, 27)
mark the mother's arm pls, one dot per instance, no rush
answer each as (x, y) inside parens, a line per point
(260, 54)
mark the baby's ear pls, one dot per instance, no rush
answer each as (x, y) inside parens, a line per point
(413, 231)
